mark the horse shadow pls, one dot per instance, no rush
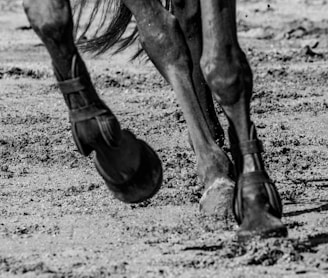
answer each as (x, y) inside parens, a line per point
(317, 239)
(320, 183)
(320, 208)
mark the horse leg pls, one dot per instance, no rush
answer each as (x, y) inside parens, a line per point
(257, 204)
(189, 16)
(131, 169)
(164, 42)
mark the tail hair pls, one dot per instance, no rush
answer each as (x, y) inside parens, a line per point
(111, 18)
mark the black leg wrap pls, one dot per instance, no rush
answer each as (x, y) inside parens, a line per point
(109, 128)
(130, 168)
(259, 182)
(93, 108)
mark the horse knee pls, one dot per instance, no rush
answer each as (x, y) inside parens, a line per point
(228, 74)
(49, 18)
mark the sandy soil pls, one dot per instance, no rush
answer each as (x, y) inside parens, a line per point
(59, 220)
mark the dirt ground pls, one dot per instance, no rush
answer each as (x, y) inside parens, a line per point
(57, 218)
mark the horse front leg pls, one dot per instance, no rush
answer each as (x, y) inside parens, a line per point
(188, 14)
(131, 169)
(257, 204)
(165, 44)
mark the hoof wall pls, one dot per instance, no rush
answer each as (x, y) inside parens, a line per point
(145, 182)
(217, 199)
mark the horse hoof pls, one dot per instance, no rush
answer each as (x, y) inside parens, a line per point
(144, 184)
(217, 199)
(262, 225)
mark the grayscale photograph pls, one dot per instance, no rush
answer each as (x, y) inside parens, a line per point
(164, 138)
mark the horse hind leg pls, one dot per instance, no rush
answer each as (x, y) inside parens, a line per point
(257, 204)
(131, 169)
(164, 42)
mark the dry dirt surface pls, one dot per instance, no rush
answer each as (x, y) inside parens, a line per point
(57, 218)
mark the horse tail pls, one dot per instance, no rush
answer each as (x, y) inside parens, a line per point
(111, 18)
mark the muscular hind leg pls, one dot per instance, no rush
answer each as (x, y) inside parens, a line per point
(129, 166)
(257, 204)
(165, 44)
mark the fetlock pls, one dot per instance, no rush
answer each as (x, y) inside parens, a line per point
(217, 164)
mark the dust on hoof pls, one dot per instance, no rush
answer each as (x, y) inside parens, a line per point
(145, 182)
(217, 199)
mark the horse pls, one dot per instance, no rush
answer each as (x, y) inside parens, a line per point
(194, 46)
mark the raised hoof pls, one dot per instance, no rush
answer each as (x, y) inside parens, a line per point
(217, 198)
(262, 225)
(144, 183)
